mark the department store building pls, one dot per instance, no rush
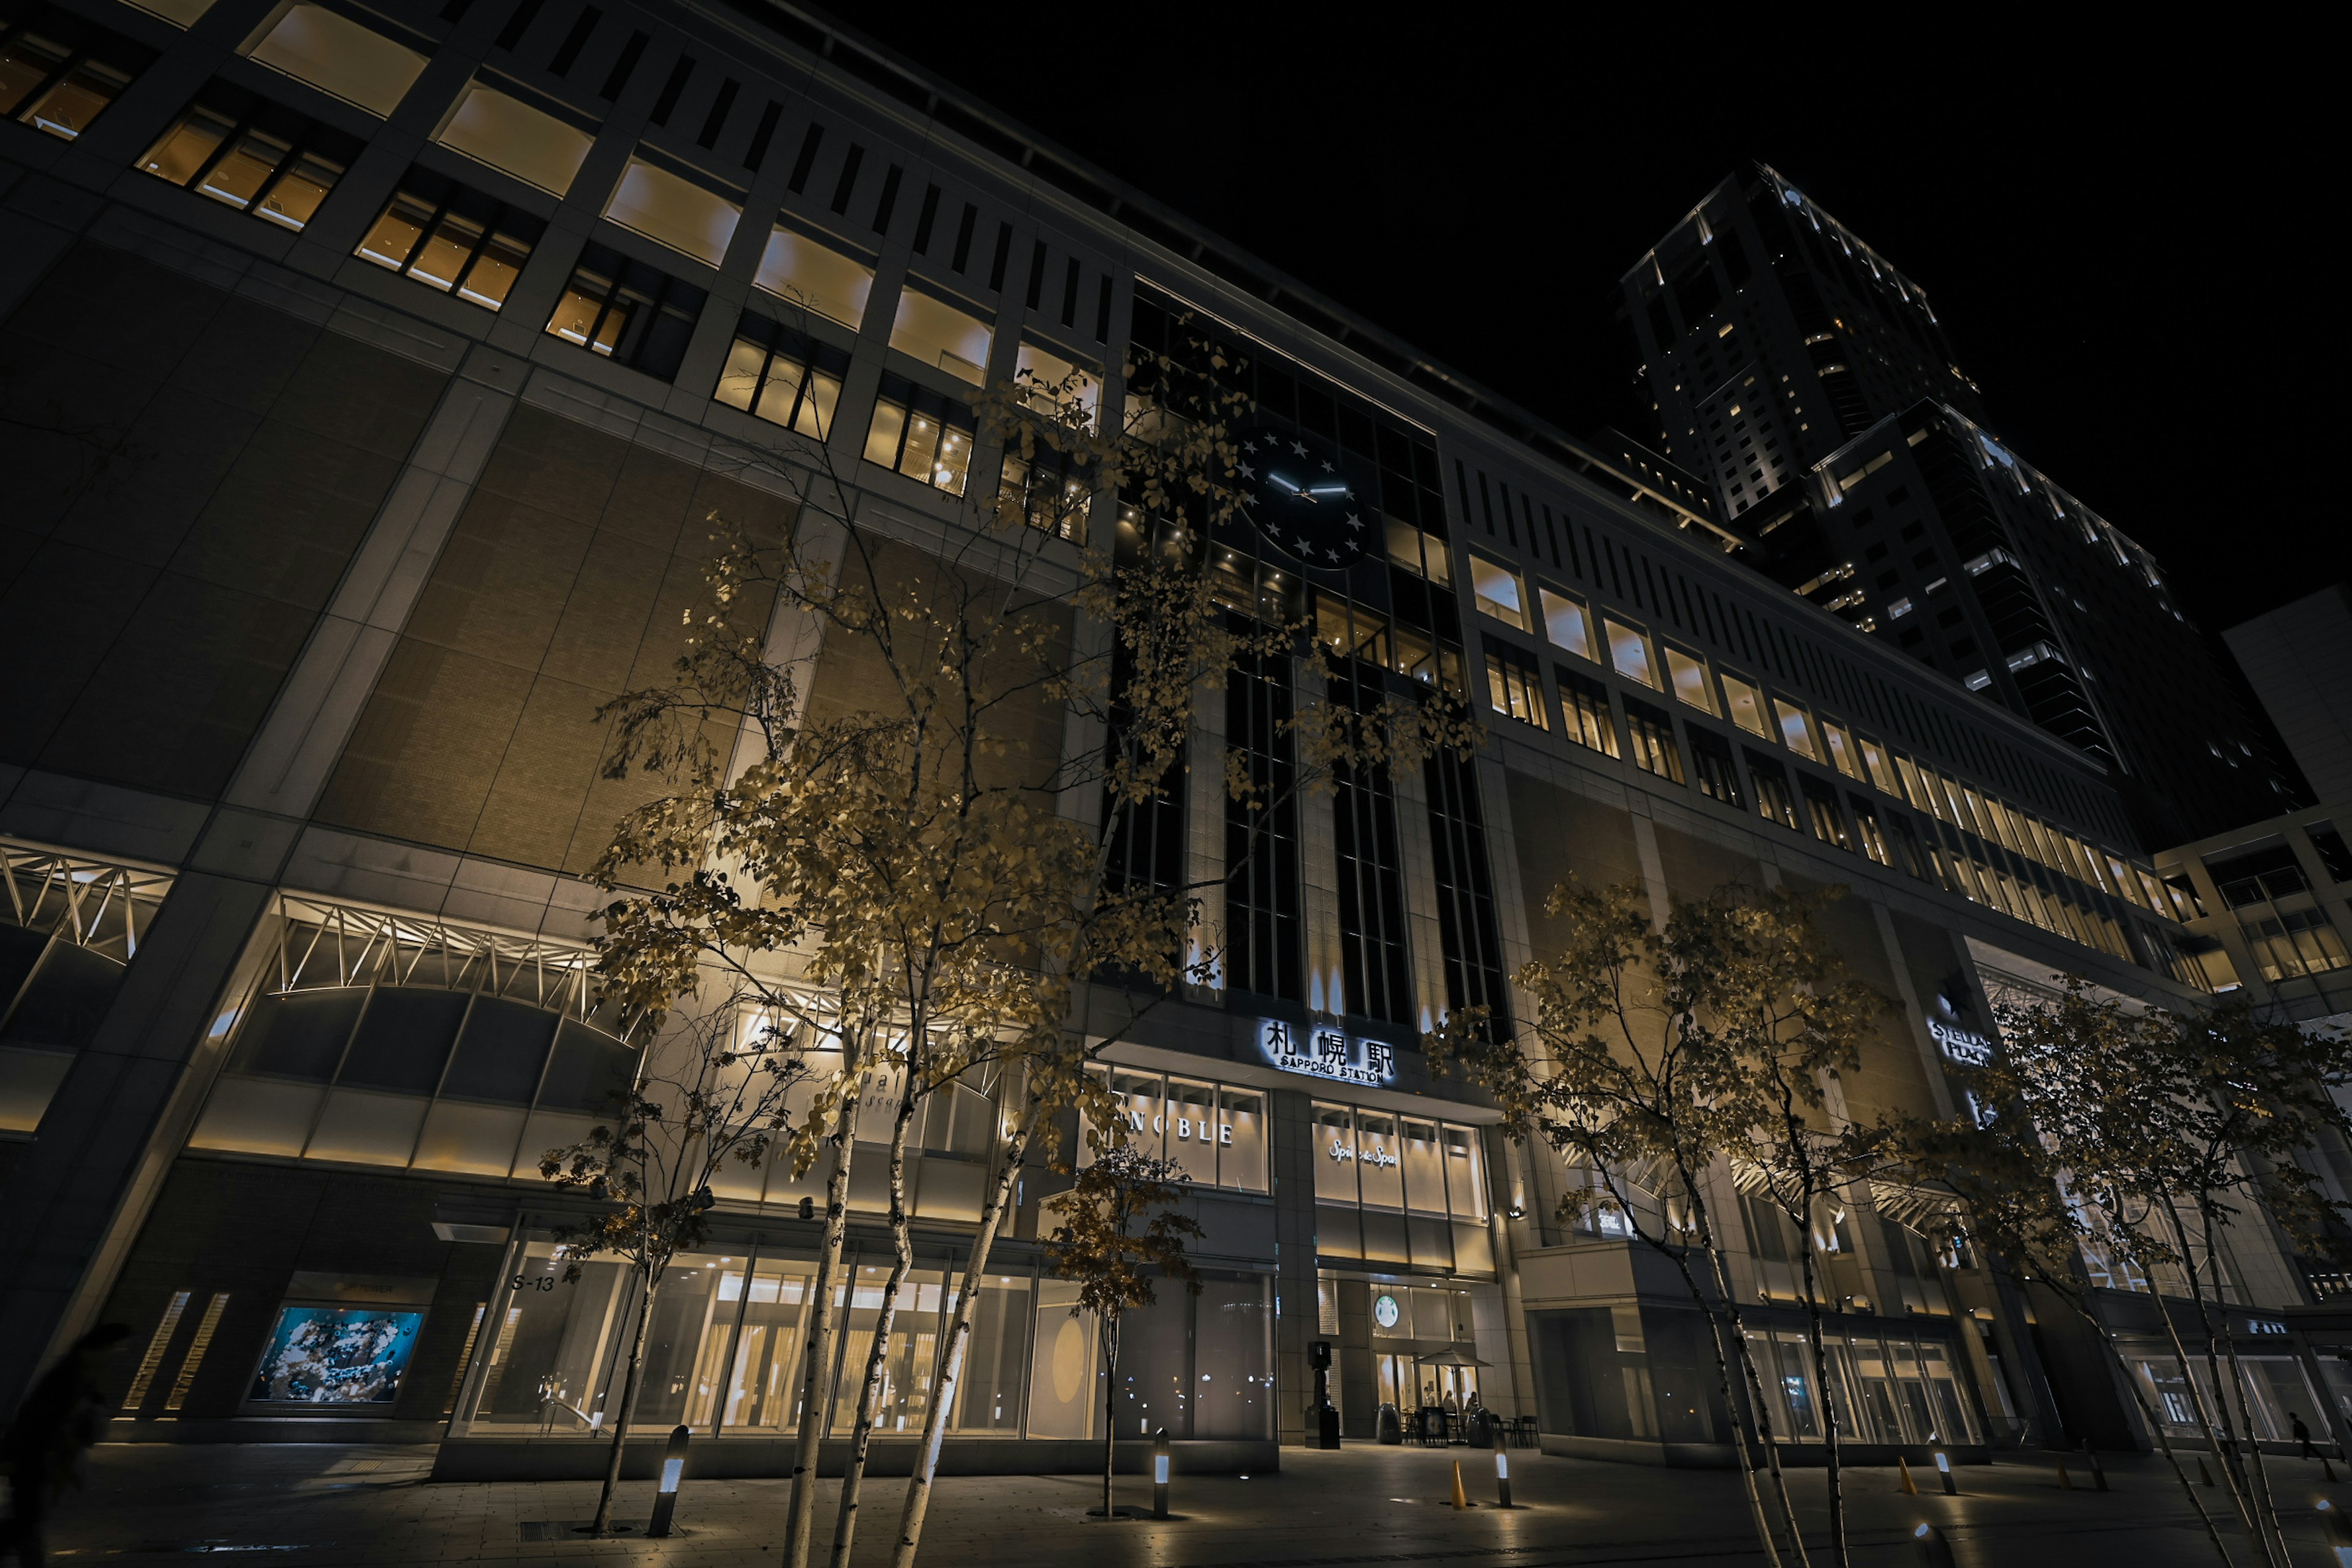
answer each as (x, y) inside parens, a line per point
(369, 373)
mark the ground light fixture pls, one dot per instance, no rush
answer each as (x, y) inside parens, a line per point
(1159, 1474)
(672, 1472)
(2338, 1530)
(1502, 1468)
(1944, 1469)
(1935, 1551)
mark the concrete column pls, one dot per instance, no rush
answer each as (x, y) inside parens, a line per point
(1204, 829)
(1357, 1389)
(1319, 870)
(1292, 1153)
(74, 1203)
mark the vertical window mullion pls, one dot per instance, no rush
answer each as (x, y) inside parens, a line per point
(295, 150)
(228, 145)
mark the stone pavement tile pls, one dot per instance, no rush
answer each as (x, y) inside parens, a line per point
(359, 1507)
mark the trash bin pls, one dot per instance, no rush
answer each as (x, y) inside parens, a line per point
(1390, 1428)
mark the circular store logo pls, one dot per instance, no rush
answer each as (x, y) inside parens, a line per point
(1384, 1310)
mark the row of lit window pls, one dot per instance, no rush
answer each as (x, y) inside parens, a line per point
(1568, 623)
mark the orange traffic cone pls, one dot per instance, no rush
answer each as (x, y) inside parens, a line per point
(1904, 1470)
(1460, 1498)
(2065, 1484)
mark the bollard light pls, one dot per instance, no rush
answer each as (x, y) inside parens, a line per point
(2338, 1530)
(2098, 1471)
(1159, 1474)
(1935, 1551)
(1943, 1469)
(672, 1472)
(1502, 1467)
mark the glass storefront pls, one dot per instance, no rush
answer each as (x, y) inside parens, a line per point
(2277, 1390)
(1890, 1388)
(723, 1352)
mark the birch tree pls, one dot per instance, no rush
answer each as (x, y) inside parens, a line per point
(713, 1093)
(1118, 1237)
(1640, 1067)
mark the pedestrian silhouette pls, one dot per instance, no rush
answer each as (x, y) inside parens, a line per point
(59, 1419)
(2302, 1436)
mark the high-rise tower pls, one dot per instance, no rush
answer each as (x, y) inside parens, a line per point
(1791, 363)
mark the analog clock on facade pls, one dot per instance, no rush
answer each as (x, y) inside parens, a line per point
(1384, 1310)
(1295, 490)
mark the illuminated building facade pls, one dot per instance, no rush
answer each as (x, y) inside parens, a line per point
(370, 376)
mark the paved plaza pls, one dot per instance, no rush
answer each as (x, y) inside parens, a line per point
(357, 1505)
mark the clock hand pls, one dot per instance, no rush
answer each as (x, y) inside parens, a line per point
(1285, 484)
(1330, 489)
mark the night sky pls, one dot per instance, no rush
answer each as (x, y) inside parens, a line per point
(2126, 248)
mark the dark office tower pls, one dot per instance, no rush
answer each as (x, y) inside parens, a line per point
(2298, 658)
(1770, 336)
(1788, 362)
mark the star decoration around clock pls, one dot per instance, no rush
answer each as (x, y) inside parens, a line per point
(1300, 496)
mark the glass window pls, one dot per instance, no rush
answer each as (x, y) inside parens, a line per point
(1650, 733)
(553, 1348)
(450, 238)
(1794, 730)
(1241, 1140)
(1882, 771)
(1424, 1168)
(1335, 1154)
(1565, 623)
(1688, 673)
(988, 1395)
(1466, 1173)
(1584, 702)
(1189, 1124)
(1421, 553)
(942, 336)
(1629, 651)
(1048, 493)
(1870, 838)
(1718, 779)
(1065, 1396)
(1514, 686)
(674, 211)
(508, 134)
(764, 1384)
(1379, 1159)
(783, 377)
(1496, 589)
(1843, 753)
(1051, 379)
(1773, 802)
(815, 276)
(253, 155)
(339, 57)
(922, 434)
(626, 312)
(1822, 806)
(48, 83)
(179, 13)
(1139, 1098)
(909, 1360)
(1745, 706)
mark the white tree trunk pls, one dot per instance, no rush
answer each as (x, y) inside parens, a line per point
(817, 1341)
(917, 1508)
(878, 1357)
